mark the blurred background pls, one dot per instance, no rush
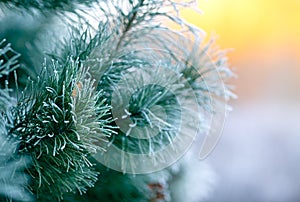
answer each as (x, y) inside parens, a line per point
(258, 156)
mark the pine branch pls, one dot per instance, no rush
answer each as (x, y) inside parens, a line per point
(59, 123)
(125, 85)
(131, 18)
(114, 186)
(24, 34)
(131, 40)
(8, 58)
(13, 180)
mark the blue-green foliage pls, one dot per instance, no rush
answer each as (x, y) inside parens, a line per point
(66, 113)
(8, 58)
(13, 180)
(58, 121)
(114, 186)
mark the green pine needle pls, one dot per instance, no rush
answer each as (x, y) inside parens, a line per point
(131, 38)
(58, 121)
(13, 180)
(112, 85)
(114, 186)
(8, 58)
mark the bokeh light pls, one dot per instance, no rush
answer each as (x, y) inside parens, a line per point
(249, 24)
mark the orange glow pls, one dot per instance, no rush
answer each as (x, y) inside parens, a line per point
(250, 25)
